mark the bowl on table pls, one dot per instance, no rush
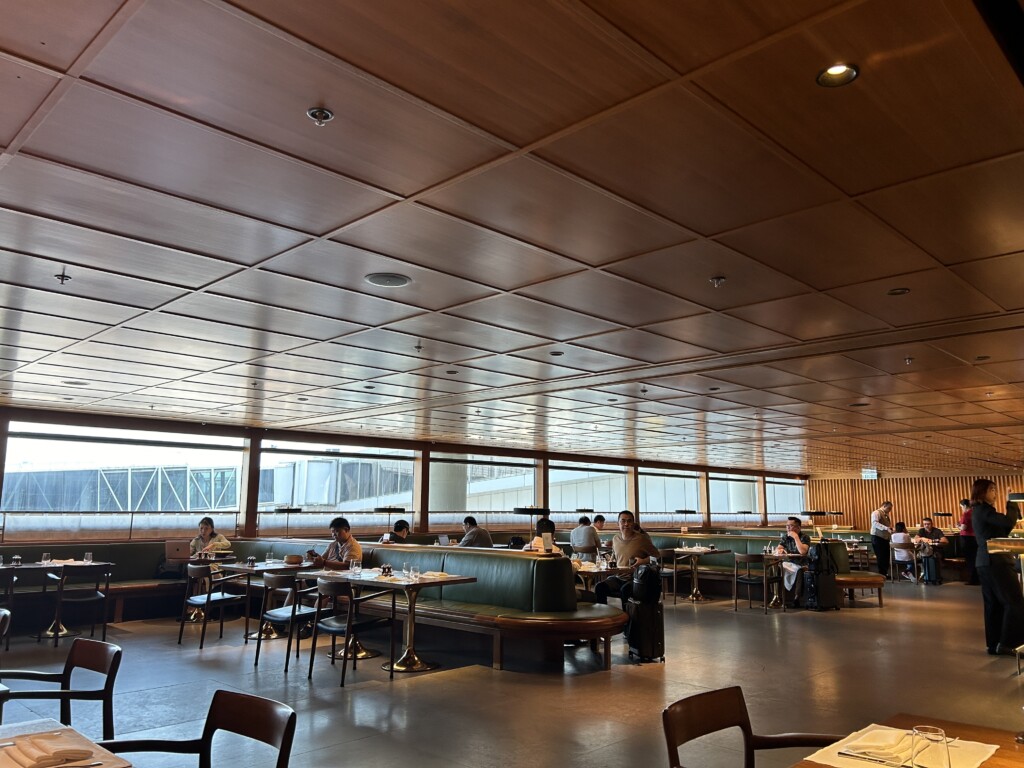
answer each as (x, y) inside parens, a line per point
(292, 559)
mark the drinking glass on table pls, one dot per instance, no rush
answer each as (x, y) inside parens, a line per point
(46, 558)
(928, 738)
(356, 566)
(269, 558)
(414, 573)
(87, 558)
(405, 570)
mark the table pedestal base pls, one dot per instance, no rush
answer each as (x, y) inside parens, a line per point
(268, 630)
(356, 650)
(59, 631)
(410, 662)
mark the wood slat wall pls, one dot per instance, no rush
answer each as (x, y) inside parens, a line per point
(912, 497)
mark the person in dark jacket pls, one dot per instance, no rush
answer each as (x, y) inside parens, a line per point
(1004, 602)
(968, 542)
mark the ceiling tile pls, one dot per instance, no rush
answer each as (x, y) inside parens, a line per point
(63, 302)
(24, 89)
(465, 332)
(641, 345)
(827, 368)
(718, 332)
(252, 314)
(531, 316)
(38, 33)
(1001, 278)
(212, 330)
(811, 316)
(553, 210)
(677, 155)
(577, 357)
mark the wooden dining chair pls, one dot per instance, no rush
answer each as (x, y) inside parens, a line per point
(94, 655)
(755, 570)
(896, 566)
(332, 594)
(705, 713)
(205, 590)
(292, 612)
(253, 717)
(79, 585)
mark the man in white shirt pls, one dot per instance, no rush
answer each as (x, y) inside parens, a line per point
(585, 541)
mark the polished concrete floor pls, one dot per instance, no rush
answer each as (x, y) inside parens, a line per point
(922, 653)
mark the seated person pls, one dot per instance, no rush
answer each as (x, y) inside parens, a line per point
(397, 536)
(340, 551)
(904, 557)
(631, 548)
(208, 539)
(584, 537)
(475, 536)
(931, 556)
(793, 542)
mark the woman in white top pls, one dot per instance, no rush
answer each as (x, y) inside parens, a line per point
(208, 539)
(904, 557)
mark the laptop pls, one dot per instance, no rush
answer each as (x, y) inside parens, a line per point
(443, 540)
(177, 550)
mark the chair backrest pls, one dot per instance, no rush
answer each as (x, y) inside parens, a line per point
(705, 713)
(257, 718)
(96, 656)
(903, 545)
(332, 588)
(86, 574)
(197, 571)
(744, 561)
(272, 581)
(5, 622)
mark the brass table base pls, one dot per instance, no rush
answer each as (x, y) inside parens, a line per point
(410, 662)
(356, 650)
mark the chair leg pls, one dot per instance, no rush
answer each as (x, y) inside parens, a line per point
(108, 718)
(181, 626)
(344, 659)
(222, 622)
(288, 649)
(312, 649)
(202, 633)
(259, 645)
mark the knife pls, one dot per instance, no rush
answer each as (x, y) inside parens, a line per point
(878, 760)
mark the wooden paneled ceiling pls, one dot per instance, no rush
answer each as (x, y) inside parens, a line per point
(560, 180)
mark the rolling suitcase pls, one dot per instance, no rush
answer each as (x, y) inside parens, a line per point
(820, 591)
(930, 570)
(645, 631)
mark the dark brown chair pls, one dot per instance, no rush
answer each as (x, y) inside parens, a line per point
(205, 590)
(79, 585)
(254, 717)
(754, 570)
(333, 593)
(282, 585)
(705, 713)
(5, 626)
(94, 655)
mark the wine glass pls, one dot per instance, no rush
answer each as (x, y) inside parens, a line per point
(924, 737)
(405, 570)
(414, 573)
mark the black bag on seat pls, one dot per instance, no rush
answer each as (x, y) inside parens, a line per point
(645, 631)
(821, 560)
(820, 591)
(647, 584)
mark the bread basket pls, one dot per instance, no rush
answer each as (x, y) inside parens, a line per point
(292, 559)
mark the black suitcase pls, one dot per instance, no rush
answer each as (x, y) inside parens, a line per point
(647, 584)
(930, 570)
(820, 591)
(645, 631)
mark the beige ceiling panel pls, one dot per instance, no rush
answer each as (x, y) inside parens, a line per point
(192, 59)
(73, 384)
(758, 398)
(542, 370)
(720, 333)
(893, 359)
(426, 350)
(438, 241)
(428, 386)
(928, 422)
(811, 316)
(131, 355)
(297, 362)
(926, 401)
(23, 89)
(994, 419)
(827, 368)
(35, 272)
(108, 134)
(697, 384)
(261, 317)
(514, 70)
(590, 360)
(686, 35)
(536, 317)
(14, 357)
(686, 270)
(675, 154)
(211, 330)
(162, 341)
(18, 321)
(101, 367)
(878, 386)
(348, 267)
(475, 376)
(991, 393)
(970, 213)
(641, 345)
(961, 377)
(63, 302)
(815, 393)
(929, 299)
(289, 292)
(829, 246)
(465, 332)
(986, 348)
(244, 376)
(1010, 371)
(953, 410)
(554, 210)
(92, 201)
(54, 36)
(1001, 278)
(898, 120)
(348, 355)
(622, 301)
(760, 377)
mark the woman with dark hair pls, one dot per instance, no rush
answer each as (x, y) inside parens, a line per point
(968, 542)
(1004, 602)
(208, 539)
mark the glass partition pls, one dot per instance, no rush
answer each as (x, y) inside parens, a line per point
(662, 493)
(597, 487)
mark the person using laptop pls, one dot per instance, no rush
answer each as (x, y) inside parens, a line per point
(343, 549)
(475, 535)
(397, 536)
(208, 539)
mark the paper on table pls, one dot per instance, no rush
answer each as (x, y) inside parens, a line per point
(44, 751)
(962, 754)
(65, 562)
(435, 575)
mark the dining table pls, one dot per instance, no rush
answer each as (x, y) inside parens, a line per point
(591, 576)
(48, 737)
(258, 569)
(1008, 753)
(410, 660)
(694, 554)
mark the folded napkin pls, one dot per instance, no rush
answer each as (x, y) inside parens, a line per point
(790, 572)
(44, 751)
(65, 562)
(435, 575)
(390, 578)
(891, 745)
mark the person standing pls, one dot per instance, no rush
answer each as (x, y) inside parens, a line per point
(968, 542)
(1000, 591)
(585, 541)
(881, 532)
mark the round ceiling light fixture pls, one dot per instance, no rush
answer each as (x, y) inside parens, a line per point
(388, 279)
(320, 115)
(837, 75)
(556, 353)
(897, 292)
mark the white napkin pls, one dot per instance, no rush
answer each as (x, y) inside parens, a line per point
(790, 572)
(893, 746)
(880, 738)
(435, 575)
(44, 751)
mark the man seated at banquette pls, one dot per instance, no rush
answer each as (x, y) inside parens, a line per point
(931, 556)
(341, 551)
(585, 541)
(475, 536)
(793, 542)
(544, 525)
(208, 539)
(631, 548)
(397, 536)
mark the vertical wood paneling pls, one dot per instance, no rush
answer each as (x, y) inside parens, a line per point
(912, 497)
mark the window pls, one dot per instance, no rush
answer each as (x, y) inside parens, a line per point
(479, 483)
(662, 493)
(733, 499)
(572, 485)
(784, 498)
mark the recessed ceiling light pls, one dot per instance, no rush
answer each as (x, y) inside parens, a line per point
(717, 281)
(320, 115)
(859, 405)
(981, 358)
(452, 372)
(713, 389)
(837, 75)
(71, 398)
(74, 382)
(368, 386)
(613, 399)
(897, 292)
(556, 353)
(388, 279)
(303, 399)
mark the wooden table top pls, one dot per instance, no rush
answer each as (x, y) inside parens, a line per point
(1009, 753)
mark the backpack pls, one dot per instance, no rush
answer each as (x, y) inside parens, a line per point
(821, 560)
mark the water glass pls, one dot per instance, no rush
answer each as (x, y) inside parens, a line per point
(46, 558)
(602, 564)
(356, 566)
(269, 558)
(405, 570)
(414, 573)
(933, 740)
(88, 557)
